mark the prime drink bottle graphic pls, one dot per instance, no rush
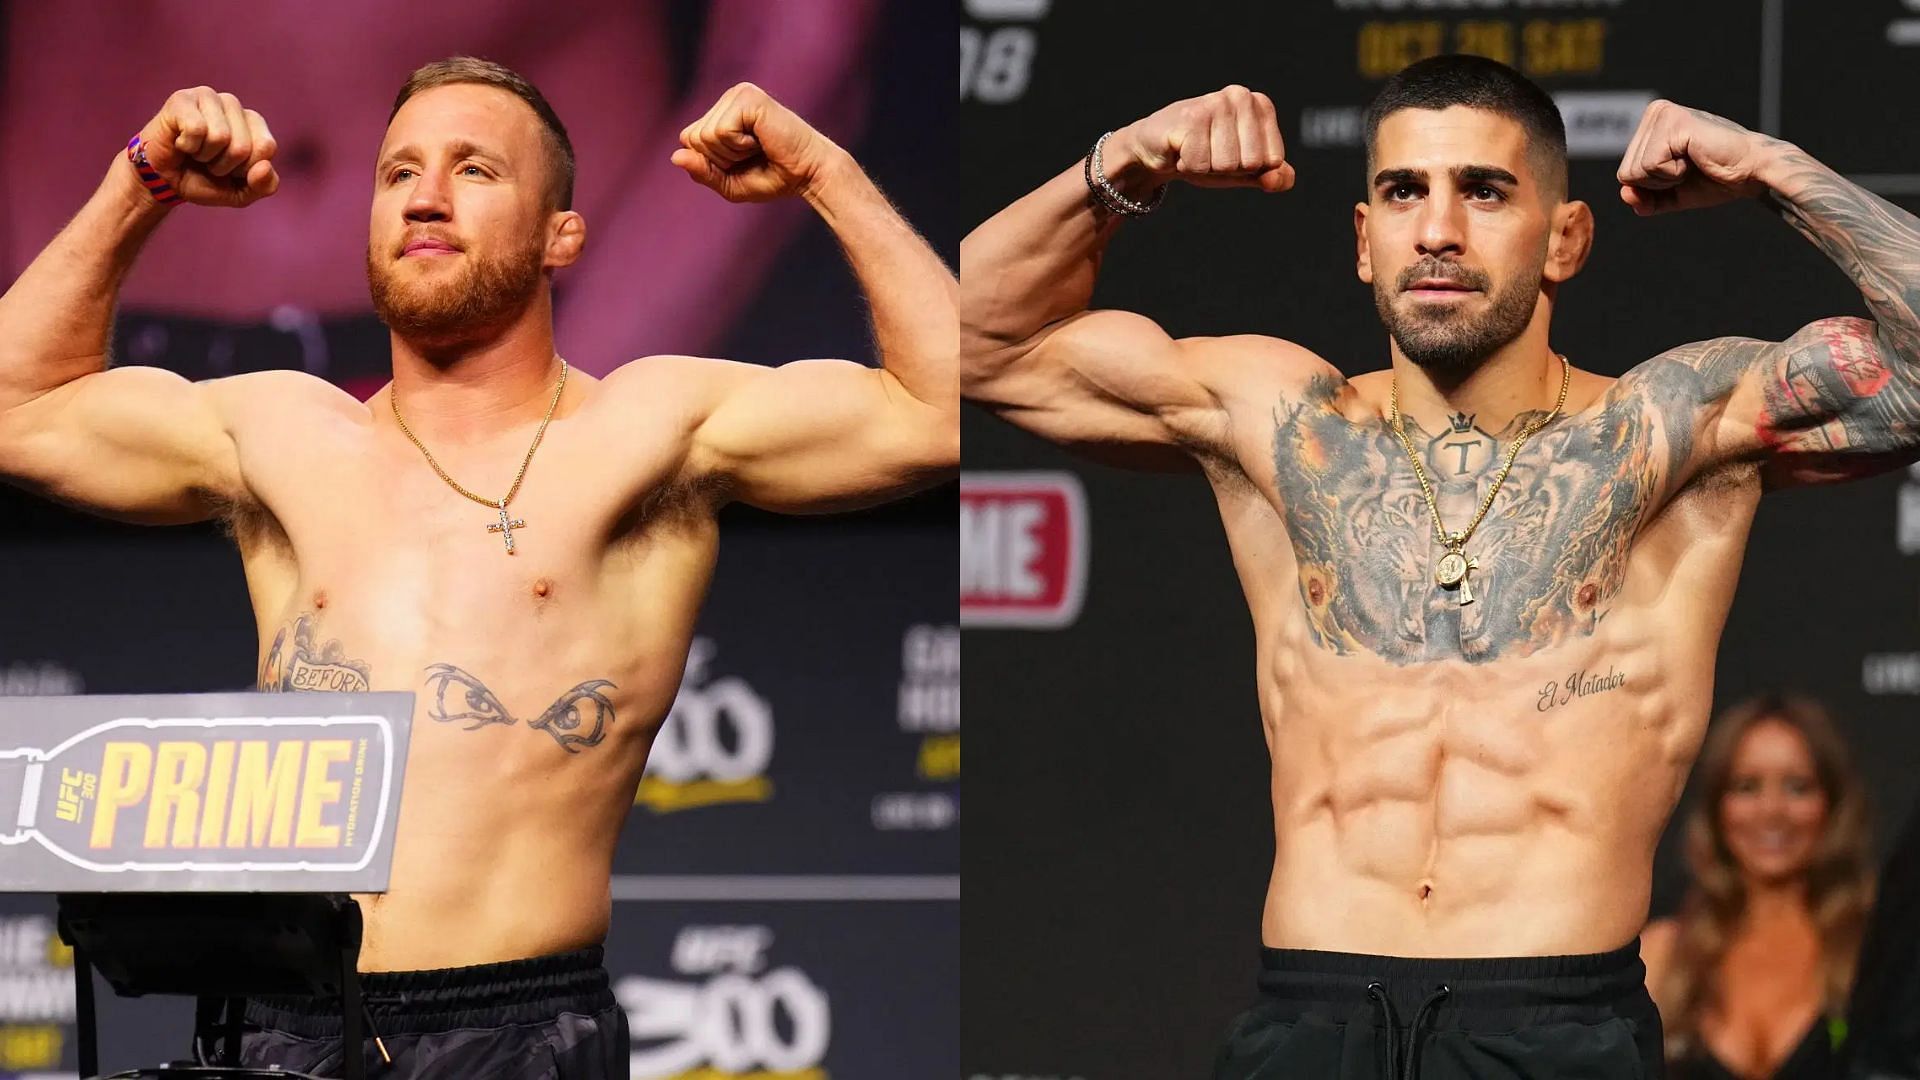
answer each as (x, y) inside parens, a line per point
(204, 794)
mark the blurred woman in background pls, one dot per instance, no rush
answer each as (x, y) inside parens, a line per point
(1752, 975)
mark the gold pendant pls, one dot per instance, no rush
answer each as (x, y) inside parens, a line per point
(1452, 573)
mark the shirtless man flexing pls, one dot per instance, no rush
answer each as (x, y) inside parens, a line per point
(544, 619)
(1460, 868)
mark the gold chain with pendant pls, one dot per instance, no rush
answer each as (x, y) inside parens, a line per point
(1455, 565)
(505, 526)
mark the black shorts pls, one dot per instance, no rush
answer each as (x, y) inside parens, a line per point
(1347, 1016)
(549, 1017)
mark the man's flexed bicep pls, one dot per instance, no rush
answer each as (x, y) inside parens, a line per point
(136, 443)
(827, 434)
(1832, 402)
(139, 443)
(1109, 382)
(1841, 397)
(819, 435)
(1101, 380)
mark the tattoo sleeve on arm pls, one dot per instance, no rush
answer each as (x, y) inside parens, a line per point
(1829, 404)
(1874, 241)
(1680, 383)
(1837, 404)
(1841, 398)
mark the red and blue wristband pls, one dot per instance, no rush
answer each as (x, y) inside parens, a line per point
(155, 183)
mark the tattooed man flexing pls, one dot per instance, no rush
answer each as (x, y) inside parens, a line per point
(523, 547)
(1494, 810)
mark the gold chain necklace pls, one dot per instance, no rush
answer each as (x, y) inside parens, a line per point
(506, 525)
(1454, 566)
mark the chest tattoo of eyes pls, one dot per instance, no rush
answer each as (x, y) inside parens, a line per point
(579, 718)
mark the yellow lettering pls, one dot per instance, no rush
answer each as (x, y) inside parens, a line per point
(940, 757)
(213, 818)
(263, 797)
(178, 771)
(318, 791)
(30, 1046)
(1569, 47)
(1490, 38)
(59, 953)
(124, 770)
(1386, 47)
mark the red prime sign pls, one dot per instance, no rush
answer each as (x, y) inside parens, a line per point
(1023, 548)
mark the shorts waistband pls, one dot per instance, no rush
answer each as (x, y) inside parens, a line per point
(1573, 984)
(440, 999)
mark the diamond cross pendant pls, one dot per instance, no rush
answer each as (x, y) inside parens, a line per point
(506, 526)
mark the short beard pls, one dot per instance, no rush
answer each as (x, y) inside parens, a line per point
(467, 308)
(1450, 344)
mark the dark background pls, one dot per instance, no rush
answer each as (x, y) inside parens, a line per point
(1122, 834)
(809, 617)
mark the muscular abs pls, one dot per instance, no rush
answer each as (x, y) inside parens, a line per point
(1484, 778)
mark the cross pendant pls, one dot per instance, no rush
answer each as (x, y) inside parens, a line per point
(506, 527)
(1466, 582)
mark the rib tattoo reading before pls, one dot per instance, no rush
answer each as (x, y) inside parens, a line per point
(456, 696)
(294, 662)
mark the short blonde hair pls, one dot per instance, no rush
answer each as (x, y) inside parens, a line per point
(455, 70)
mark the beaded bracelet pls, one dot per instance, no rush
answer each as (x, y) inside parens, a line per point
(155, 183)
(1108, 195)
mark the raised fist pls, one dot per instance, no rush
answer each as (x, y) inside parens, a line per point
(1682, 158)
(211, 150)
(1229, 138)
(750, 148)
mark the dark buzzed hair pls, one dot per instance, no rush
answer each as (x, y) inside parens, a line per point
(1439, 82)
(471, 69)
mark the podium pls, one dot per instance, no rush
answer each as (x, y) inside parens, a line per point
(220, 950)
(205, 845)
